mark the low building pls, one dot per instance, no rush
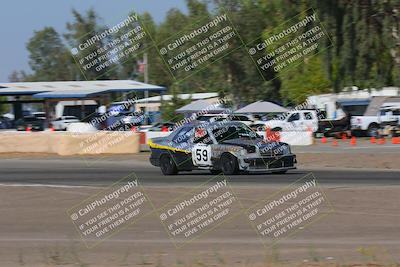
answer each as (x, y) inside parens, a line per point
(51, 93)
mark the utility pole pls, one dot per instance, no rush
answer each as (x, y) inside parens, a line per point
(146, 68)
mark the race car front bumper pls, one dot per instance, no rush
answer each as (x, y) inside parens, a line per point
(271, 163)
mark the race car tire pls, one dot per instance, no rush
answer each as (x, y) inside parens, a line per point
(167, 165)
(229, 164)
(280, 172)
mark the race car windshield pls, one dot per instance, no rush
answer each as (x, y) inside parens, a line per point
(233, 132)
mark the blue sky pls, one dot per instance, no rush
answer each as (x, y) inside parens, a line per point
(20, 18)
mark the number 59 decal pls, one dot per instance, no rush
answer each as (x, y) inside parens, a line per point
(201, 155)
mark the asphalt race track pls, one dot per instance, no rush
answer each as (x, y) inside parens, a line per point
(99, 172)
(36, 192)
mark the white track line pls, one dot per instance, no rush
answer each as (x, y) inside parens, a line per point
(47, 185)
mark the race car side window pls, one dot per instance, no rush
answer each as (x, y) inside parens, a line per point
(184, 135)
(294, 117)
(224, 133)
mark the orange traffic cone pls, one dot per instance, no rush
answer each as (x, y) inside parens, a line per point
(382, 141)
(372, 140)
(28, 129)
(353, 141)
(396, 140)
(323, 140)
(334, 142)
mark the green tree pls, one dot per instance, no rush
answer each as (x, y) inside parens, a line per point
(128, 68)
(17, 76)
(48, 57)
(363, 49)
(306, 79)
(82, 29)
(168, 108)
(158, 73)
(363, 42)
(3, 107)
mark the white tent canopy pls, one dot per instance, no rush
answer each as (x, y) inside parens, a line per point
(201, 105)
(262, 107)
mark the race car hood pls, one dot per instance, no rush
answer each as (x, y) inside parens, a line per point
(243, 142)
(264, 147)
(247, 141)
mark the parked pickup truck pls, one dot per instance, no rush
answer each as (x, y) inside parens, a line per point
(372, 124)
(299, 120)
(389, 119)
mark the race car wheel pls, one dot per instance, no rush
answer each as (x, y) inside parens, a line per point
(229, 164)
(167, 165)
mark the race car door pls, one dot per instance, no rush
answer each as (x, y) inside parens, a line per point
(201, 151)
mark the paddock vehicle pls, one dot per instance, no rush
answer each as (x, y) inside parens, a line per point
(389, 120)
(5, 123)
(62, 122)
(230, 147)
(31, 123)
(372, 124)
(300, 120)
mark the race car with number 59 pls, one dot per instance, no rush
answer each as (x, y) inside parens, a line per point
(225, 146)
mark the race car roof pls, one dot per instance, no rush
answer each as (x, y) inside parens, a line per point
(74, 89)
(209, 124)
